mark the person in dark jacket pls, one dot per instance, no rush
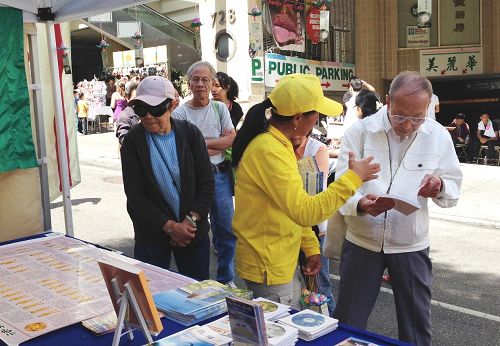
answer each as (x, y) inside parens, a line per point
(169, 183)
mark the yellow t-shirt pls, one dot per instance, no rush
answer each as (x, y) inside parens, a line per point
(274, 214)
(82, 108)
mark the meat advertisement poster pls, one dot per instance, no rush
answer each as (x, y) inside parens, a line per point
(287, 19)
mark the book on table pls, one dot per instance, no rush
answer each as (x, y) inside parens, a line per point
(195, 302)
(195, 336)
(310, 324)
(248, 326)
(124, 273)
(355, 342)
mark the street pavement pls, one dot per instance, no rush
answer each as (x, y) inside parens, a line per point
(465, 244)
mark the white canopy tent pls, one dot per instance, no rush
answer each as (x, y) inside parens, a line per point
(62, 10)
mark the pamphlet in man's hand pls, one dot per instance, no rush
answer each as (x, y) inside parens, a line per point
(404, 204)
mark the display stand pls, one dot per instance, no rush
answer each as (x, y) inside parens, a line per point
(127, 299)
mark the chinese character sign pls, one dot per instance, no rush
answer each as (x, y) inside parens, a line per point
(451, 62)
(461, 24)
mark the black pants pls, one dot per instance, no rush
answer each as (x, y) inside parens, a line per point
(411, 278)
(476, 146)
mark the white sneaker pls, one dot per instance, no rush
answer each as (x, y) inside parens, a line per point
(231, 284)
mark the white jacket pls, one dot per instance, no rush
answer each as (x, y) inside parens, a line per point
(431, 152)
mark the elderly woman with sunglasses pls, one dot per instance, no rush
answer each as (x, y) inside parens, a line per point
(168, 182)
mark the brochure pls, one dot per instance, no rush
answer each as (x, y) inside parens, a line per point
(196, 336)
(247, 322)
(404, 204)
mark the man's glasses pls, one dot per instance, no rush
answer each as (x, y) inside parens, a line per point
(142, 109)
(399, 119)
(204, 80)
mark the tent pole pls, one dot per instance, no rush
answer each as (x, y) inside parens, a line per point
(40, 130)
(60, 130)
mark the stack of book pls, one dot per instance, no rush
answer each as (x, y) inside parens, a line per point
(311, 325)
(196, 302)
(281, 334)
(272, 310)
(197, 335)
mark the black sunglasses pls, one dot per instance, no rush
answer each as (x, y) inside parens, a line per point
(142, 109)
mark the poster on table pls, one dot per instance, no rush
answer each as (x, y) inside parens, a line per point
(50, 283)
(334, 76)
(287, 19)
(417, 37)
(255, 36)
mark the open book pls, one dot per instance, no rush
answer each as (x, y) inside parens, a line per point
(406, 204)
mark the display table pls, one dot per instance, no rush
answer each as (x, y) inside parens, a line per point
(77, 335)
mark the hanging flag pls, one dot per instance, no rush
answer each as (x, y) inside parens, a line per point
(287, 19)
(312, 24)
(16, 136)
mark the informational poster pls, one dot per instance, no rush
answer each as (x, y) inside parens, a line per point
(324, 25)
(128, 58)
(451, 62)
(117, 59)
(287, 19)
(417, 37)
(334, 76)
(53, 282)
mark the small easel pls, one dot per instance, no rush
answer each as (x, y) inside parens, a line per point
(124, 300)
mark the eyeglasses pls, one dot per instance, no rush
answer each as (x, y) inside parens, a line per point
(399, 119)
(204, 80)
(142, 109)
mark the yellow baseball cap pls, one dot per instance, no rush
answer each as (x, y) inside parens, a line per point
(300, 93)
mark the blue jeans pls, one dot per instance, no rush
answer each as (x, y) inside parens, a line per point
(192, 261)
(324, 283)
(221, 216)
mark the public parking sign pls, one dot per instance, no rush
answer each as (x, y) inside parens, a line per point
(334, 76)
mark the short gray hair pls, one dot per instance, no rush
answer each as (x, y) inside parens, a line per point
(201, 64)
(411, 83)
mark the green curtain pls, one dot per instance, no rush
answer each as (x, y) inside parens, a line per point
(16, 141)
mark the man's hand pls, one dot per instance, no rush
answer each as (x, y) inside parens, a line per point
(313, 265)
(182, 234)
(460, 139)
(364, 168)
(430, 186)
(227, 132)
(370, 204)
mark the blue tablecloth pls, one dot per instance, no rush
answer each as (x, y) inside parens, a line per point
(77, 335)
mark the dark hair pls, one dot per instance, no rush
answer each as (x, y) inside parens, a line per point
(80, 95)
(367, 101)
(256, 123)
(460, 116)
(356, 83)
(229, 84)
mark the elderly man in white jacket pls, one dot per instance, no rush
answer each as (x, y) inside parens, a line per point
(417, 157)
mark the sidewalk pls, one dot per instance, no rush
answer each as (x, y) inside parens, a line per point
(479, 204)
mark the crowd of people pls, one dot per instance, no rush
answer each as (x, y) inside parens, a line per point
(182, 164)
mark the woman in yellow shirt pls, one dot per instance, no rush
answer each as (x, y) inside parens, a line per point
(273, 214)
